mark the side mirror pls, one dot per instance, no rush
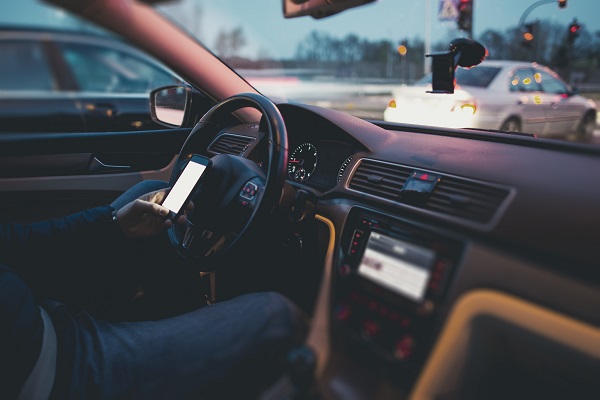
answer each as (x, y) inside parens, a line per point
(168, 105)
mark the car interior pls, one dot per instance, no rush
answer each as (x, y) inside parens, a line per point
(431, 263)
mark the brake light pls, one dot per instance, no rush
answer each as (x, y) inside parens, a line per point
(392, 104)
(468, 108)
(465, 107)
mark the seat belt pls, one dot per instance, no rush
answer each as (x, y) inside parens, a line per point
(40, 381)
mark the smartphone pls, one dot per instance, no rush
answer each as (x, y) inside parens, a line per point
(183, 188)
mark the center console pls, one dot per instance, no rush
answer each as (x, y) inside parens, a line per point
(390, 281)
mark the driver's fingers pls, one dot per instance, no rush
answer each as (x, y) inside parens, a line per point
(155, 197)
(189, 206)
(182, 220)
(142, 206)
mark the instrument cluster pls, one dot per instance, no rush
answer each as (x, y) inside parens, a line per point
(320, 164)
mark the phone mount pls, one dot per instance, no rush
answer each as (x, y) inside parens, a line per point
(464, 53)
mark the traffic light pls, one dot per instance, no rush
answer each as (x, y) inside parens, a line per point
(562, 3)
(465, 15)
(573, 31)
(528, 35)
(403, 48)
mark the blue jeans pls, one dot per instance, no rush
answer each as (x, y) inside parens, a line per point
(225, 350)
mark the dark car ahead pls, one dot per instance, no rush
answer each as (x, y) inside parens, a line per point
(66, 81)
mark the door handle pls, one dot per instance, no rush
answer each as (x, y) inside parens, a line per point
(98, 166)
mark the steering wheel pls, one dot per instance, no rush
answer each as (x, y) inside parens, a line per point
(234, 192)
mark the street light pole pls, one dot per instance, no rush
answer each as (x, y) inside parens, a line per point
(530, 9)
(426, 65)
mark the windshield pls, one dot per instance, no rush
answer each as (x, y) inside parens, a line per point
(360, 60)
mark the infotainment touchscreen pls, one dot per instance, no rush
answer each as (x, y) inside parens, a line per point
(399, 266)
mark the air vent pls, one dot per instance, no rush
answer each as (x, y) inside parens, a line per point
(230, 144)
(466, 199)
(380, 179)
(453, 197)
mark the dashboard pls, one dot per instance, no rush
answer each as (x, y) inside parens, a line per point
(319, 154)
(318, 164)
(439, 232)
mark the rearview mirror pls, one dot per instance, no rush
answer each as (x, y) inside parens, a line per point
(318, 8)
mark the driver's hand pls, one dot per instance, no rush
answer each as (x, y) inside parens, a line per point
(145, 217)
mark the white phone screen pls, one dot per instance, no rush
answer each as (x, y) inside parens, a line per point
(184, 186)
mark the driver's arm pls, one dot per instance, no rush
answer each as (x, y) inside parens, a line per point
(20, 242)
(93, 230)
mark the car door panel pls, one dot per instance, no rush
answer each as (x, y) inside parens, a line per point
(566, 113)
(75, 123)
(532, 111)
(37, 112)
(117, 113)
(81, 163)
(44, 165)
(48, 175)
(530, 102)
(557, 115)
(563, 113)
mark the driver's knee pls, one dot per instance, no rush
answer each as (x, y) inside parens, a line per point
(298, 325)
(277, 316)
(273, 325)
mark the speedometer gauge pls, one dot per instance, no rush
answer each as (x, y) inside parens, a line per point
(343, 167)
(302, 162)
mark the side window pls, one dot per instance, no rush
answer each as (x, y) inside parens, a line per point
(550, 84)
(101, 69)
(24, 67)
(523, 80)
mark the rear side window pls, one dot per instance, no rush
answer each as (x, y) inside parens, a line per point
(525, 80)
(24, 67)
(101, 69)
(476, 76)
(550, 84)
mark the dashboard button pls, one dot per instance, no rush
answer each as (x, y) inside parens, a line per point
(403, 348)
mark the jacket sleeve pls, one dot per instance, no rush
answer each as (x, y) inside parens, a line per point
(87, 231)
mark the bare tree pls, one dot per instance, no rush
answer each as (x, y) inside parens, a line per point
(229, 43)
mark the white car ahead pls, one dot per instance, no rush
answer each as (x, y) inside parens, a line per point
(505, 95)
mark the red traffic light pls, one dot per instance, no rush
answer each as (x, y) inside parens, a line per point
(562, 3)
(573, 31)
(465, 15)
